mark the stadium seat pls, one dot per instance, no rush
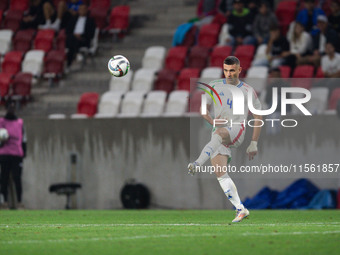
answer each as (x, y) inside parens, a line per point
(104, 4)
(319, 73)
(256, 77)
(121, 83)
(22, 40)
(12, 20)
(5, 40)
(285, 71)
(154, 57)
(21, 86)
(219, 54)
(61, 40)
(19, 5)
(183, 81)
(44, 40)
(132, 104)
(177, 103)
(33, 62)
(154, 104)
(224, 35)
(54, 64)
(88, 104)
(190, 37)
(335, 97)
(285, 13)
(208, 35)
(109, 104)
(319, 100)
(303, 76)
(219, 19)
(212, 72)
(3, 5)
(198, 57)
(57, 116)
(143, 80)
(195, 101)
(119, 19)
(175, 59)
(260, 53)
(165, 80)
(245, 54)
(99, 16)
(5, 82)
(12, 62)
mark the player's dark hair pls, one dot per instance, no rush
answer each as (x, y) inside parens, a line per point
(232, 60)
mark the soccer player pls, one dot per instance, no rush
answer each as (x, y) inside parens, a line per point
(231, 134)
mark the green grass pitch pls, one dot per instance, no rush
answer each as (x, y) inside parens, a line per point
(169, 232)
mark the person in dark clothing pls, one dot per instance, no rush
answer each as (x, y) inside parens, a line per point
(40, 12)
(12, 152)
(79, 33)
(308, 15)
(334, 18)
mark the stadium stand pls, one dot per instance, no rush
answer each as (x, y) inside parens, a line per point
(154, 104)
(285, 13)
(198, 57)
(123, 84)
(218, 54)
(212, 72)
(19, 5)
(44, 40)
(318, 103)
(334, 99)
(185, 77)
(143, 80)
(109, 104)
(195, 101)
(132, 104)
(5, 40)
(154, 57)
(165, 80)
(177, 103)
(175, 59)
(22, 40)
(88, 103)
(208, 35)
(119, 19)
(12, 20)
(5, 83)
(33, 62)
(21, 87)
(12, 62)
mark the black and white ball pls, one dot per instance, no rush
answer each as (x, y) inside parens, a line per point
(118, 65)
(3, 135)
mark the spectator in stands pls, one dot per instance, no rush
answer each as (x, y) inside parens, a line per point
(79, 33)
(240, 25)
(12, 152)
(207, 8)
(277, 49)
(334, 18)
(262, 23)
(226, 7)
(41, 13)
(66, 10)
(300, 44)
(324, 34)
(308, 15)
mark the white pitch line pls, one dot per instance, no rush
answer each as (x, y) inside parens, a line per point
(321, 224)
(161, 236)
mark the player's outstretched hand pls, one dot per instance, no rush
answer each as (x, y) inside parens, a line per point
(252, 150)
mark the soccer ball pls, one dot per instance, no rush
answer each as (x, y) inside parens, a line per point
(3, 134)
(118, 65)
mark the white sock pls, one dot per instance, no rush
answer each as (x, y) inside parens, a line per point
(230, 190)
(209, 149)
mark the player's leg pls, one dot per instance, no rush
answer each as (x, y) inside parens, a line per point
(228, 186)
(16, 169)
(4, 183)
(220, 136)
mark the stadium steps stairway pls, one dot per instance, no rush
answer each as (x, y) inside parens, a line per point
(152, 23)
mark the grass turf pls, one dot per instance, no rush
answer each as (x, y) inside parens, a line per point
(169, 232)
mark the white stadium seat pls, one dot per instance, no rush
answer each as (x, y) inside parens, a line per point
(319, 100)
(224, 35)
(261, 52)
(154, 103)
(143, 80)
(121, 83)
(57, 116)
(79, 116)
(257, 77)
(33, 62)
(109, 103)
(132, 104)
(177, 104)
(154, 57)
(5, 40)
(212, 72)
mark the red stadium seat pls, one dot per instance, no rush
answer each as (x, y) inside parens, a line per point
(319, 73)
(104, 4)
(175, 59)
(22, 83)
(198, 57)
(285, 71)
(195, 101)
(12, 20)
(165, 80)
(183, 81)
(190, 37)
(302, 76)
(245, 54)
(219, 54)
(3, 5)
(119, 18)
(54, 63)
(208, 35)
(23, 40)
(5, 82)
(99, 16)
(285, 13)
(1, 12)
(44, 40)
(61, 40)
(88, 104)
(219, 19)
(19, 5)
(335, 97)
(12, 62)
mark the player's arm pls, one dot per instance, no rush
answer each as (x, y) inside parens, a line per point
(252, 148)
